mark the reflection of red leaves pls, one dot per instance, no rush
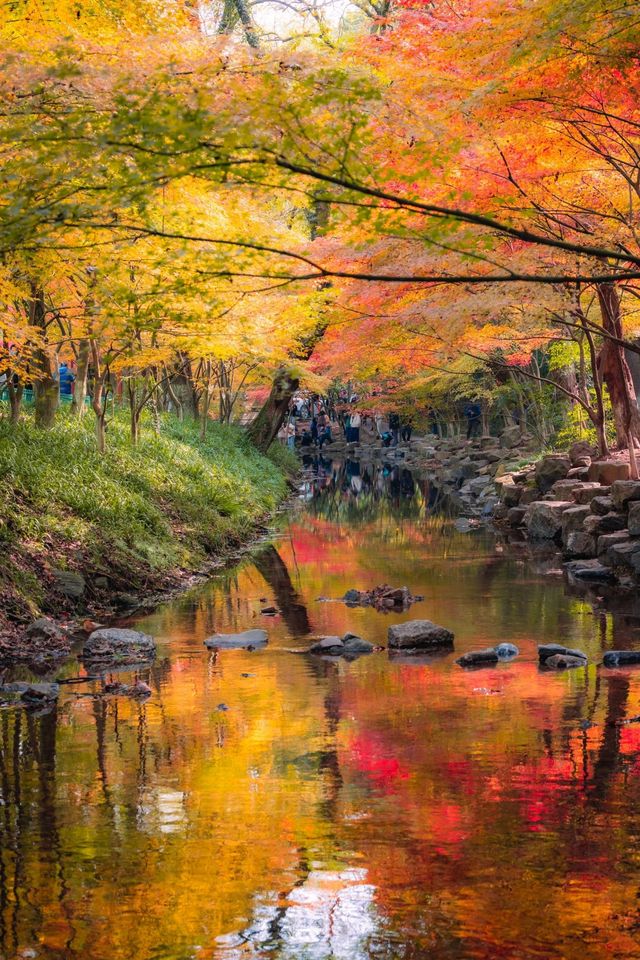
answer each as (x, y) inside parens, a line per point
(371, 757)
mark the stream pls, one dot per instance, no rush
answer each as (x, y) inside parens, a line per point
(269, 804)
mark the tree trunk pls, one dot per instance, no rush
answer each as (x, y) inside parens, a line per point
(46, 388)
(134, 413)
(82, 372)
(614, 370)
(15, 397)
(264, 429)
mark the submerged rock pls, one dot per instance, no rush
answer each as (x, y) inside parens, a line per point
(621, 658)
(589, 570)
(562, 661)
(419, 635)
(478, 658)
(247, 640)
(506, 651)
(548, 650)
(33, 693)
(350, 645)
(118, 645)
(138, 690)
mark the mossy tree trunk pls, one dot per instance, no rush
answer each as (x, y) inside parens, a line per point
(264, 429)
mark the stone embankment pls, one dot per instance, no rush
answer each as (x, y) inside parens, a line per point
(463, 472)
(589, 508)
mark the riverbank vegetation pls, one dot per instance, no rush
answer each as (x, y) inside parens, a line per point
(126, 521)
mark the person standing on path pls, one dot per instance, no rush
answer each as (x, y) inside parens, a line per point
(355, 422)
(473, 413)
(394, 427)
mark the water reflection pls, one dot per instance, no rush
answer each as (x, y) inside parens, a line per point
(385, 808)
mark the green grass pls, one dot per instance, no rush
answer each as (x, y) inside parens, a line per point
(167, 503)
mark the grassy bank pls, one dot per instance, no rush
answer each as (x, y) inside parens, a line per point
(126, 521)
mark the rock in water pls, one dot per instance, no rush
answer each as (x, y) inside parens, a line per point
(561, 661)
(354, 645)
(33, 693)
(119, 645)
(548, 650)
(621, 658)
(506, 651)
(328, 646)
(478, 658)
(350, 646)
(419, 635)
(237, 641)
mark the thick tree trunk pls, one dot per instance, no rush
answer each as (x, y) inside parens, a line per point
(615, 373)
(45, 387)
(82, 372)
(264, 429)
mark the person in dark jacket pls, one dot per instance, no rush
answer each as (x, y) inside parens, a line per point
(473, 413)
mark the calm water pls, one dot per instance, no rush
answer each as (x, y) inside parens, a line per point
(385, 808)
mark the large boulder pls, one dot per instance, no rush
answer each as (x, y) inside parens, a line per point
(583, 493)
(573, 519)
(579, 450)
(612, 522)
(623, 492)
(608, 471)
(543, 518)
(601, 505)
(247, 640)
(625, 554)
(550, 469)
(580, 544)
(69, 583)
(115, 644)
(608, 540)
(633, 524)
(419, 635)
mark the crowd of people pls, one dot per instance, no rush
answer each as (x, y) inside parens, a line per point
(316, 421)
